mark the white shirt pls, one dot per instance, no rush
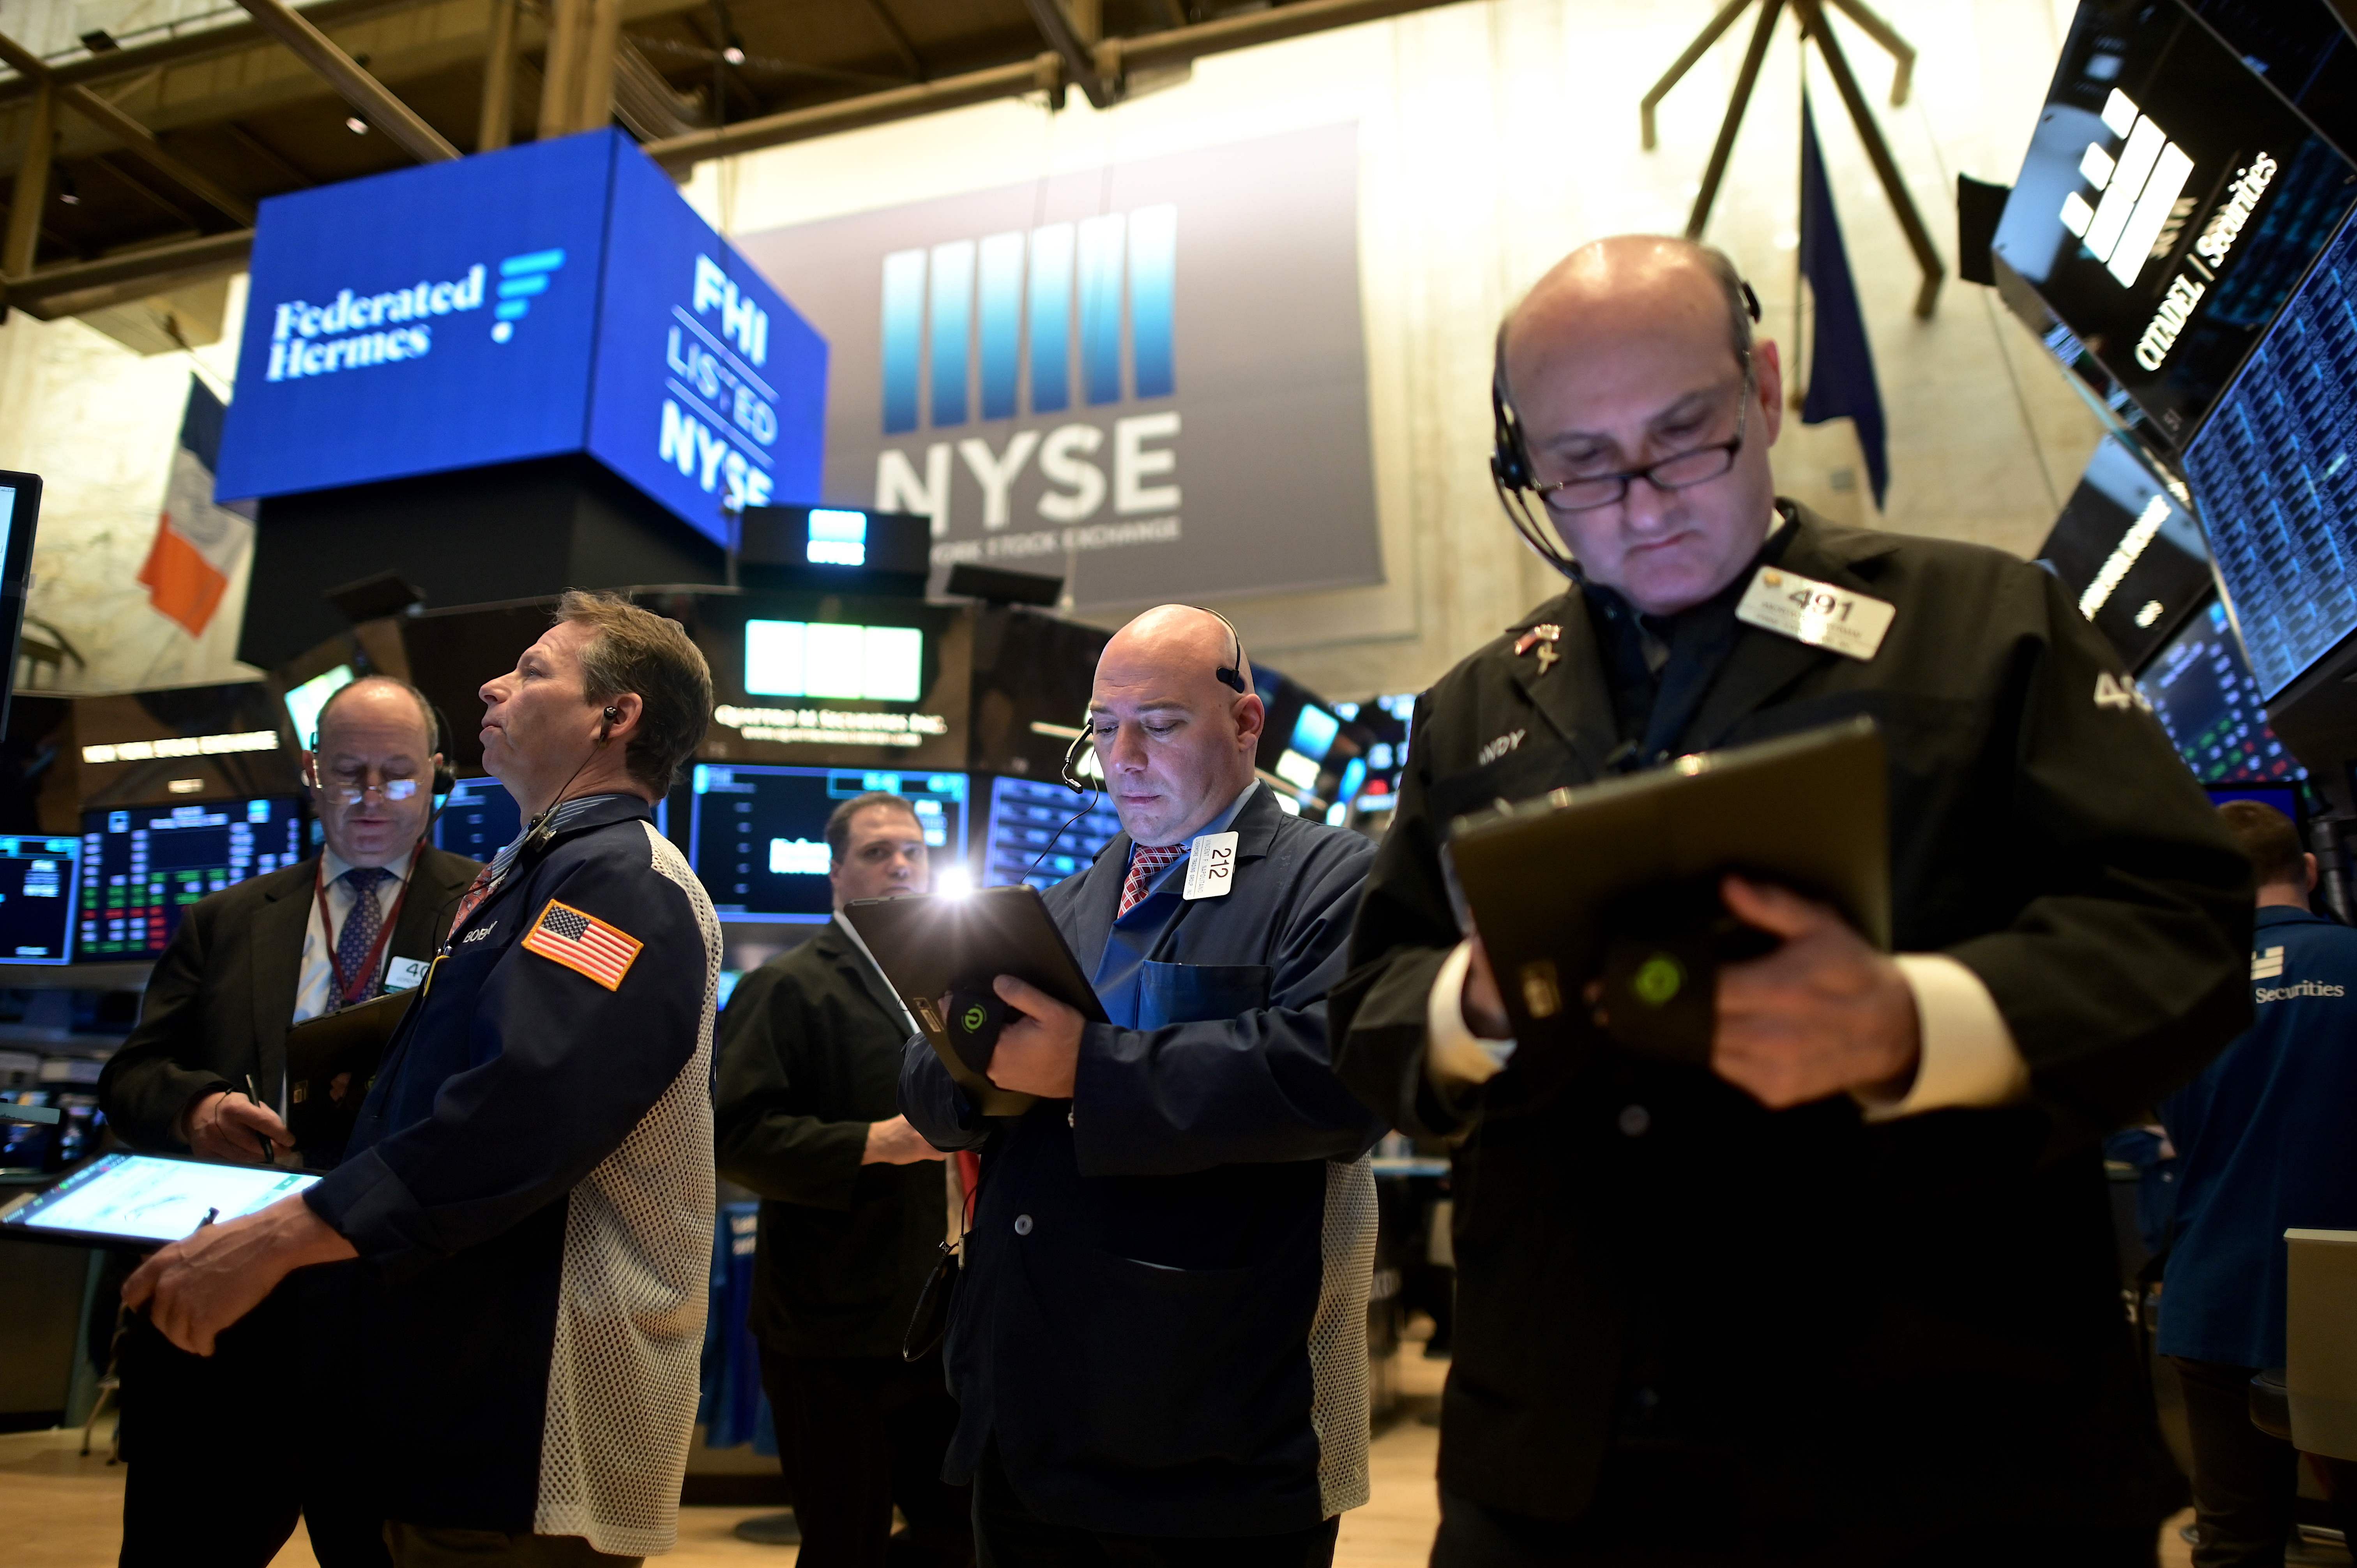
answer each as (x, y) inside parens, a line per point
(315, 989)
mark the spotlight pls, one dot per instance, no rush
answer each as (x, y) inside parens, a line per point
(955, 882)
(733, 55)
(356, 126)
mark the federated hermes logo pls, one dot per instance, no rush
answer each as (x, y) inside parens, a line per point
(2142, 209)
(359, 331)
(1009, 301)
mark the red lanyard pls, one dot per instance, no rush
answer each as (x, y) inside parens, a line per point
(347, 990)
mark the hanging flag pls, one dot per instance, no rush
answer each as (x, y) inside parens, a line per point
(1841, 365)
(198, 545)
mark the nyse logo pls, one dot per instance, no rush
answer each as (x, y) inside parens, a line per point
(1029, 326)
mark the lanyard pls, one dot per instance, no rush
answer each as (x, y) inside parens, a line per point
(347, 990)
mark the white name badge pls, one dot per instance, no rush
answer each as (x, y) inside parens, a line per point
(403, 973)
(1211, 866)
(1819, 614)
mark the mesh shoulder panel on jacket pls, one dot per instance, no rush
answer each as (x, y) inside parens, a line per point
(631, 1306)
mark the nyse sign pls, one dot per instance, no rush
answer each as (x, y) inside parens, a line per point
(1151, 377)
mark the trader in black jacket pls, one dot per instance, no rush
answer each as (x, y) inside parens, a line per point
(247, 963)
(856, 1211)
(1159, 1345)
(1848, 1296)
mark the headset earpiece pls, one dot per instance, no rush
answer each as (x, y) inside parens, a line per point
(1070, 770)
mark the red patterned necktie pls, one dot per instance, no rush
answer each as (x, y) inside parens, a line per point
(476, 891)
(1144, 864)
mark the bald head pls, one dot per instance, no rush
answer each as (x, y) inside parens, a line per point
(1176, 742)
(1630, 351)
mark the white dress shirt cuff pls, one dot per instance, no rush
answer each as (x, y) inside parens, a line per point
(1969, 1059)
(1455, 1056)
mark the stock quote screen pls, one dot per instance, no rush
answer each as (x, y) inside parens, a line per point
(144, 867)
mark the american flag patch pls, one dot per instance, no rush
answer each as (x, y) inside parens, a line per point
(582, 944)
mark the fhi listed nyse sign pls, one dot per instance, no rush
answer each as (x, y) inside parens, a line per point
(719, 416)
(1151, 377)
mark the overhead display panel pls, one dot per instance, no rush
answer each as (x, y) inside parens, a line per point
(547, 300)
(2131, 555)
(2273, 475)
(2201, 691)
(2168, 204)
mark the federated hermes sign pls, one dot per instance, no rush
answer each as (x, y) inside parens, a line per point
(2170, 202)
(1150, 376)
(552, 298)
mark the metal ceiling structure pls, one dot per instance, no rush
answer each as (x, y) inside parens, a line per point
(132, 166)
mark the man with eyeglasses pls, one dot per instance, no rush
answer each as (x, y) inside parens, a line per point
(1848, 1295)
(362, 917)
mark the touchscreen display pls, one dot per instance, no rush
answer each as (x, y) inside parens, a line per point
(141, 1198)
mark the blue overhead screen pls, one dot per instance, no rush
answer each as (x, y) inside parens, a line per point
(551, 299)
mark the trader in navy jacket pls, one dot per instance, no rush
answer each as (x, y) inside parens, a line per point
(1159, 1337)
(2263, 1146)
(530, 1187)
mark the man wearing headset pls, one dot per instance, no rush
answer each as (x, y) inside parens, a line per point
(530, 1188)
(362, 917)
(1848, 1295)
(1160, 1344)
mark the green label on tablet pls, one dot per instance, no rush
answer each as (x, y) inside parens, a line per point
(1658, 980)
(975, 1019)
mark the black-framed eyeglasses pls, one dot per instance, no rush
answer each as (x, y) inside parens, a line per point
(1679, 471)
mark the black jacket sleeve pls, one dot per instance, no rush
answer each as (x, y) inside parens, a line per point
(762, 1143)
(2127, 969)
(162, 1069)
(934, 1104)
(1258, 1087)
(563, 1069)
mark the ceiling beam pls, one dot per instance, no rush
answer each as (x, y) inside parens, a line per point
(124, 129)
(352, 83)
(902, 45)
(54, 292)
(1068, 36)
(1114, 59)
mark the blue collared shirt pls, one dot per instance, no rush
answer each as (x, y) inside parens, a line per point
(1134, 938)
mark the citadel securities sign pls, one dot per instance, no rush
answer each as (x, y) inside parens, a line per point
(1150, 376)
(552, 298)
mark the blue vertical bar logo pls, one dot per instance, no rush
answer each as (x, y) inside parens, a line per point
(974, 325)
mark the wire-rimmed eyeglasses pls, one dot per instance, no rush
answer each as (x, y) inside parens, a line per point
(1679, 471)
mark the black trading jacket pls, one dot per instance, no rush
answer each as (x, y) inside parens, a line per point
(1895, 1326)
(809, 1057)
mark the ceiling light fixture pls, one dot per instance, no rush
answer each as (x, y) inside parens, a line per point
(733, 55)
(67, 191)
(356, 126)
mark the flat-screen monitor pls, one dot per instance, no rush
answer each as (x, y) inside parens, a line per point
(2130, 555)
(2170, 202)
(143, 866)
(39, 878)
(2275, 475)
(2284, 797)
(303, 702)
(479, 818)
(758, 835)
(20, 510)
(2203, 695)
(1040, 833)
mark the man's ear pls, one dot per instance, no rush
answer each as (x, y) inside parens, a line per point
(1252, 717)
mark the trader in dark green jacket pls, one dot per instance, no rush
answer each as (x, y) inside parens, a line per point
(1844, 1298)
(854, 1215)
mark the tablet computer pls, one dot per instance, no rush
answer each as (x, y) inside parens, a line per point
(145, 1200)
(1618, 881)
(931, 946)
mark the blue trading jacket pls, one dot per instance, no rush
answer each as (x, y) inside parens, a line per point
(1161, 1321)
(2264, 1145)
(530, 1188)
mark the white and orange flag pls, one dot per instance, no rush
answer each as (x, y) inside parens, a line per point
(198, 544)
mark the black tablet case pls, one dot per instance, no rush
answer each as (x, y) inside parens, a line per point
(1552, 883)
(929, 945)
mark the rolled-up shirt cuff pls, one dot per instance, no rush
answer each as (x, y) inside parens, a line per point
(1967, 1057)
(1455, 1056)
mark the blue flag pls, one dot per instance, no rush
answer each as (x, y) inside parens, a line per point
(1841, 365)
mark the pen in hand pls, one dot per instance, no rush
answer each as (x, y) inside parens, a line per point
(269, 1150)
(210, 1215)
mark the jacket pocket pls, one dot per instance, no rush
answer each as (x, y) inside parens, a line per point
(1199, 993)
